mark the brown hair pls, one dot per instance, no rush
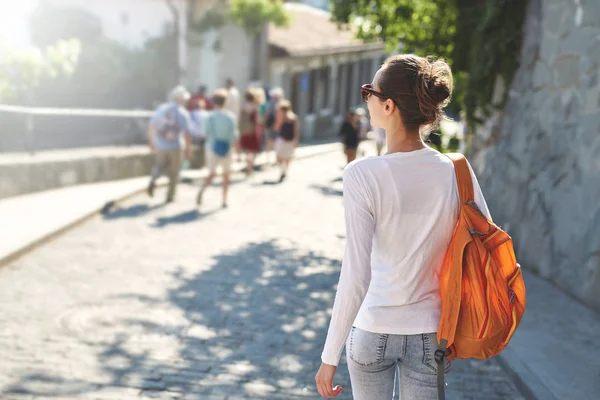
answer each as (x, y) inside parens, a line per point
(420, 87)
(219, 97)
(285, 105)
(249, 96)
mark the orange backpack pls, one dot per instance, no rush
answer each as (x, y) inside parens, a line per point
(481, 285)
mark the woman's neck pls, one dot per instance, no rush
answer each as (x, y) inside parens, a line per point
(401, 142)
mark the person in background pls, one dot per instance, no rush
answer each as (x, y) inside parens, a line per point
(233, 98)
(379, 139)
(350, 135)
(220, 127)
(261, 100)
(276, 95)
(289, 134)
(363, 127)
(169, 131)
(198, 115)
(200, 96)
(248, 126)
(233, 106)
(363, 122)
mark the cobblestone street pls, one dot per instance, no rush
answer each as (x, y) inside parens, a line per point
(171, 302)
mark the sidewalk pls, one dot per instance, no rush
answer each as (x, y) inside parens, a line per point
(554, 354)
(29, 220)
(551, 357)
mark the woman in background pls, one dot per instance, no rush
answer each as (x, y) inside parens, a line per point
(350, 135)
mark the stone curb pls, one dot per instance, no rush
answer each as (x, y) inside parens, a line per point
(525, 380)
(310, 150)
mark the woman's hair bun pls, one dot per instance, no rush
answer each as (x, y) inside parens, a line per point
(439, 89)
(421, 86)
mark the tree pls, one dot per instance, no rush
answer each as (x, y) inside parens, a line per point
(22, 72)
(480, 38)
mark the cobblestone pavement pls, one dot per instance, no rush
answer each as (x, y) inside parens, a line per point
(153, 301)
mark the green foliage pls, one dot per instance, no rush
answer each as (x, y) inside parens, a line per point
(481, 39)
(252, 15)
(421, 26)
(24, 71)
(495, 52)
(98, 72)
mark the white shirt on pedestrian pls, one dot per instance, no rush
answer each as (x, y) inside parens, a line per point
(400, 212)
(233, 101)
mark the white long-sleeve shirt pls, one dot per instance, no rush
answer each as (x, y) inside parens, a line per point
(400, 211)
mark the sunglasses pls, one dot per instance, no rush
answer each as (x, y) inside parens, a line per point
(367, 91)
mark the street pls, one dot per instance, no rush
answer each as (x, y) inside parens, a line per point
(168, 301)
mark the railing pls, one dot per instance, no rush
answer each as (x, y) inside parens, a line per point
(33, 129)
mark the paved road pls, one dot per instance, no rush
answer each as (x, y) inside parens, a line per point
(152, 301)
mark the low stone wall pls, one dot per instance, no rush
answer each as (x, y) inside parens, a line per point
(22, 173)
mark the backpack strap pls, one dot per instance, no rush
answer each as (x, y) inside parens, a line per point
(463, 177)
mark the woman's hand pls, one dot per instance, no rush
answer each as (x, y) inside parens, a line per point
(324, 379)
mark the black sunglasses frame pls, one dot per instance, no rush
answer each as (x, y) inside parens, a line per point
(367, 90)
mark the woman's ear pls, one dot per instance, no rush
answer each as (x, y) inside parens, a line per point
(389, 107)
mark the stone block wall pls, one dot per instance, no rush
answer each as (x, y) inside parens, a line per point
(539, 162)
(24, 173)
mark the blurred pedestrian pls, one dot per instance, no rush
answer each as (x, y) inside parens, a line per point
(169, 131)
(196, 99)
(363, 122)
(287, 125)
(248, 126)
(261, 100)
(276, 95)
(198, 115)
(363, 128)
(233, 105)
(350, 135)
(379, 139)
(221, 131)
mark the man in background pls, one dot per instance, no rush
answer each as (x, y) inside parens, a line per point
(169, 137)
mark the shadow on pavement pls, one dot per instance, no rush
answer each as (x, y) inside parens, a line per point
(268, 183)
(110, 212)
(252, 325)
(181, 218)
(327, 191)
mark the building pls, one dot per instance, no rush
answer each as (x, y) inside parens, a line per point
(320, 67)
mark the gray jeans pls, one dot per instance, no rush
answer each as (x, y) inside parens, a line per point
(375, 358)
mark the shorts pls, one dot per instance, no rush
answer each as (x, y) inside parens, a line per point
(213, 161)
(284, 149)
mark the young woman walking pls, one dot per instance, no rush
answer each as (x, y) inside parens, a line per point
(401, 210)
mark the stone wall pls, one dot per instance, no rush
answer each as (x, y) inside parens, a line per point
(539, 162)
(22, 173)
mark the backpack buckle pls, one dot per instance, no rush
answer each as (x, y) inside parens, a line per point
(439, 355)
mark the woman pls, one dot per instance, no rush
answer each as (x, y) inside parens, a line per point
(401, 209)
(271, 134)
(289, 133)
(350, 135)
(248, 127)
